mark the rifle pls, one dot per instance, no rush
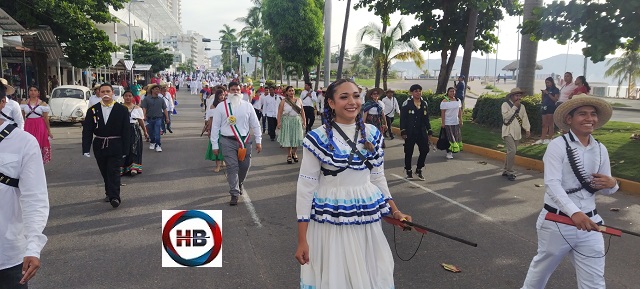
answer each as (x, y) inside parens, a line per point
(423, 229)
(603, 229)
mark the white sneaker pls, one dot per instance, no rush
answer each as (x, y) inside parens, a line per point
(546, 141)
(449, 155)
(152, 146)
(158, 149)
(538, 142)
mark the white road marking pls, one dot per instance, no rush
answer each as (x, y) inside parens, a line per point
(446, 198)
(251, 208)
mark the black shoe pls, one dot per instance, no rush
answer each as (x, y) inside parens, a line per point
(409, 175)
(115, 202)
(234, 201)
(241, 188)
(511, 177)
(170, 131)
(273, 139)
(419, 175)
(504, 174)
(106, 199)
(391, 137)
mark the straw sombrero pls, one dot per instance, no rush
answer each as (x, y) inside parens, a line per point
(515, 91)
(151, 86)
(379, 90)
(603, 108)
(9, 89)
(96, 86)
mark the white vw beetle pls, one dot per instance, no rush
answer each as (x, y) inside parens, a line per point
(69, 103)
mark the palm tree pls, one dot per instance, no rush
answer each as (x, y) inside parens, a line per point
(229, 46)
(528, 51)
(252, 34)
(627, 66)
(344, 40)
(392, 47)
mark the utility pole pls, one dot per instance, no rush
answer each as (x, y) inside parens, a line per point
(327, 42)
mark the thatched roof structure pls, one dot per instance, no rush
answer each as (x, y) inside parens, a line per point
(513, 66)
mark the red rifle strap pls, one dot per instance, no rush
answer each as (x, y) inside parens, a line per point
(567, 221)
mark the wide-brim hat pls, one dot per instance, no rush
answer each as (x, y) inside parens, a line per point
(379, 90)
(151, 86)
(515, 91)
(603, 108)
(96, 86)
(9, 89)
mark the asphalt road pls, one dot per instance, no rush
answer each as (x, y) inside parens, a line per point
(92, 245)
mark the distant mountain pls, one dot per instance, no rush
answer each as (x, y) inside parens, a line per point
(479, 67)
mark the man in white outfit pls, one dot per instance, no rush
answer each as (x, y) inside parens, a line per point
(308, 103)
(168, 100)
(24, 208)
(11, 112)
(391, 107)
(571, 193)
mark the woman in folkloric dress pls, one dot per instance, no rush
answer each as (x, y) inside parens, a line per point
(218, 97)
(133, 161)
(291, 121)
(36, 114)
(342, 196)
(373, 110)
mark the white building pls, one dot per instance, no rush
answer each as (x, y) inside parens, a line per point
(191, 45)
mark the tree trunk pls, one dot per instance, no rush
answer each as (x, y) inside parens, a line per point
(281, 74)
(528, 51)
(344, 40)
(305, 72)
(255, 68)
(620, 79)
(445, 70)
(385, 75)
(317, 76)
(468, 44)
(377, 66)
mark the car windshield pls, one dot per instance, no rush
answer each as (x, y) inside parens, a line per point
(67, 93)
(117, 90)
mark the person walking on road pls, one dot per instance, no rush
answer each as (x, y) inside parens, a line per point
(343, 246)
(233, 122)
(461, 89)
(109, 121)
(168, 100)
(36, 115)
(391, 107)
(415, 129)
(24, 209)
(155, 109)
(373, 111)
(11, 113)
(291, 119)
(133, 162)
(514, 120)
(308, 102)
(451, 116)
(219, 97)
(570, 192)
(270, 108)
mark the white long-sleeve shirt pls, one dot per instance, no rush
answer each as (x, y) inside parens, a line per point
(246, 120)
(24, 210)
(308, 98)
(12, 109)
(270, 104)
(391, 106)
(558, 176)
(514, 129)
(168, 100)
(259, 103)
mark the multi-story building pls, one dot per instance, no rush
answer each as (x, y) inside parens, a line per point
(191, 45)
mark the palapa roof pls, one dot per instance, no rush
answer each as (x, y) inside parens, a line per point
(513, 66)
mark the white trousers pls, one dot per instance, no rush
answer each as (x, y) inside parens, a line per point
(552, 248)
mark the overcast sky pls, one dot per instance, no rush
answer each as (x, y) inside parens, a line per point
(207, 17)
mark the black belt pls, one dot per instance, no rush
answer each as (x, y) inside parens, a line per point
(229, 137)
(551, 209)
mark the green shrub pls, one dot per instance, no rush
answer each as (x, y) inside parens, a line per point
(270, 83)
(489, 86)
(487, 110)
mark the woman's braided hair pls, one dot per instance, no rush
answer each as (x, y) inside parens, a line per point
(329, 116)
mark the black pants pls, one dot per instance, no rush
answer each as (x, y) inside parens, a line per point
(389, 123)
(10, 278)
(264, 123)
(272, 122)
(110, 170)
(259, 115)
(423, 147)
(310, 117)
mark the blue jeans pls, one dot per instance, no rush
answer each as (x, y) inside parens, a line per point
(154, 127)
(10, 278)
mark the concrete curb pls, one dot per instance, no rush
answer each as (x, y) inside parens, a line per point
(626, 109)
(529, 163)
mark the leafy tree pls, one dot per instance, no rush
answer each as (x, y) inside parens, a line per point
(252, 35)
(149, 53)
(73, 23)
(443, 28)
(604, 25)
(392, 47)
(229, 47)
(382, 8)
(296, 29)
(626, 67)
(187, 66)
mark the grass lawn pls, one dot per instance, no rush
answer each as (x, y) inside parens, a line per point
(617, 104)
(623, 151)
(367, 82)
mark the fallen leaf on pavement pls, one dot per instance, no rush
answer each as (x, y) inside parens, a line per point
(538, 185)
(451, 268)
(614, 209)
(482, 162)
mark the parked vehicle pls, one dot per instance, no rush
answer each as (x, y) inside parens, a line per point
(69, 103)
(118, 91)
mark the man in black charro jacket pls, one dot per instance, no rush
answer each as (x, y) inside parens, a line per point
(109, 121)
(415, 129)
